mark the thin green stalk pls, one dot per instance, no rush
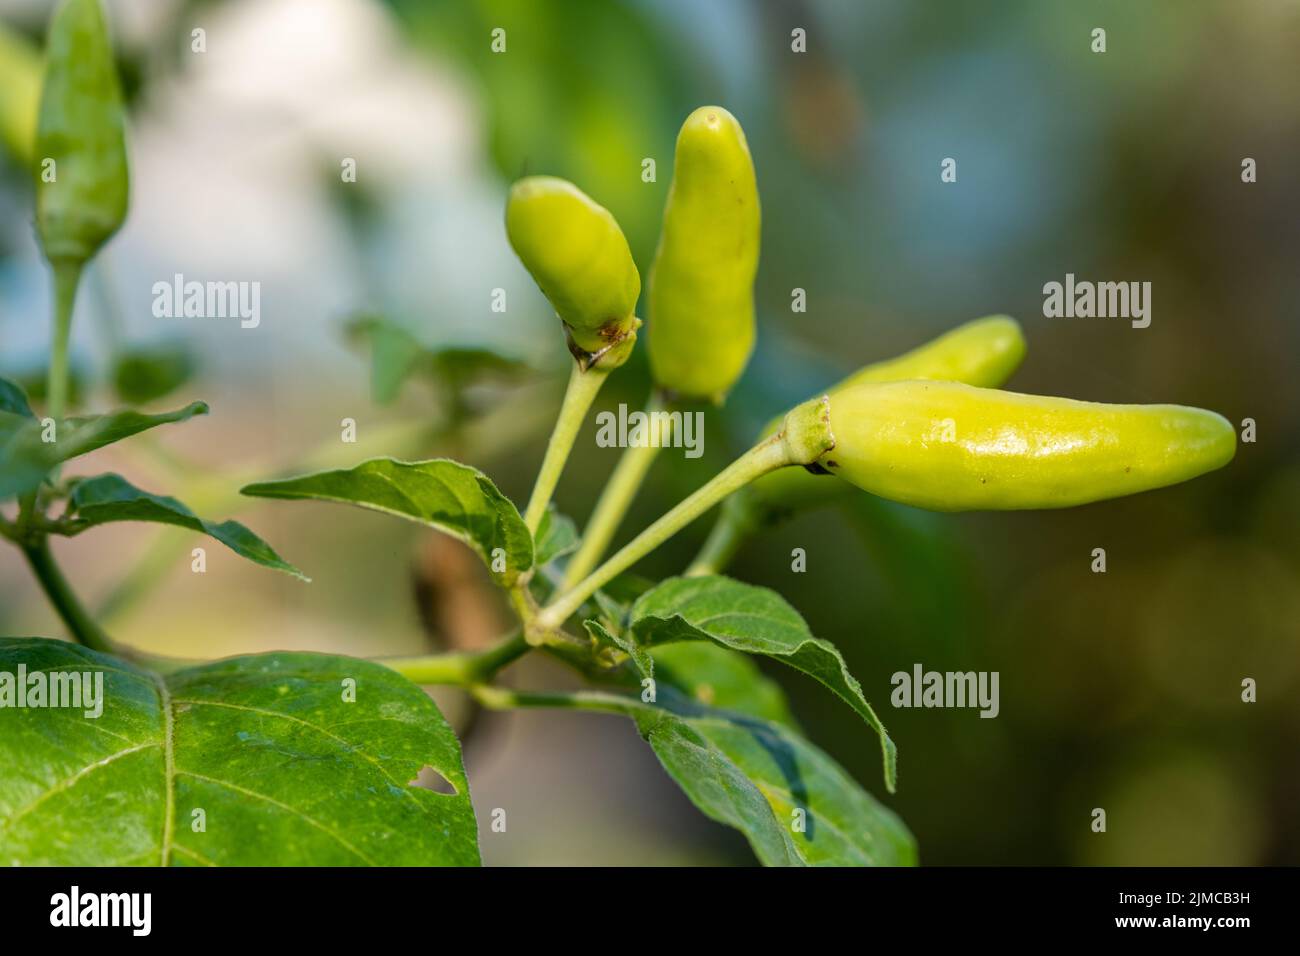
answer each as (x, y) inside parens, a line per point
(578, 396)
(611, 507)
(461, 669)
(67, 274)
(726, 538)
(501, 698)
(79, 622)
(766, 456)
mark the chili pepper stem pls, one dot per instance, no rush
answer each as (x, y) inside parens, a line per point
(67, 275)
(578, 396)
(759, 460)
(804, 436)
(611, 507)
(80, 624)
(728, 534)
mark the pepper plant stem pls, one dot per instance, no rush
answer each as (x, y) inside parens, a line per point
(67, 275)
(501, 698)
(459, 669)
(578, 396)
(611, 507)
(719, 548)
(767, 455)
(79, 622)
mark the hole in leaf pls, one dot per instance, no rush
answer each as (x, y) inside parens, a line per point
(430, 779)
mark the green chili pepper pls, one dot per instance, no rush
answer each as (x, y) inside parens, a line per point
(81, 127)
(980, 352)
(20, 94)
(952, 447)
(578, 256)
(701, 290)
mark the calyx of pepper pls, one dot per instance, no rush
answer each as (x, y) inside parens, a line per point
(806, 431)
(610, 356)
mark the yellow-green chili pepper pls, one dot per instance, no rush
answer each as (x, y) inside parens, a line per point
(81, 127)
(980, 352)
(579, 258)
(952, 447)
(701, 289)
(20, 94)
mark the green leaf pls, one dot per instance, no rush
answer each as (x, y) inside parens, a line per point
(285, 770)
(709, 673)
(728, 680)
(34, 381)
(769, 783)
(556, 537)
(620, 639)
(25, 459)
(756, 621)
(753, 775)
(14, 400)
(454, 498)
(108, 498)
(146, 375)
(396, 355)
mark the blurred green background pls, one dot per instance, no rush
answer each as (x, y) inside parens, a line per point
(1118, 690)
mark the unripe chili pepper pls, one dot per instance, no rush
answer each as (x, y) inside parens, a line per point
(20, 94)
(701, 289)
(579, 258)
(952, 447)
(81, 127)
(980, 352)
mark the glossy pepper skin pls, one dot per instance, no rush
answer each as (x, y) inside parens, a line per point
(980, 352)
(701, 288)
(81, 126)
(578, 256)
(952, 447)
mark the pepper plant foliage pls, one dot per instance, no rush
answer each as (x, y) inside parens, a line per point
(298, 758)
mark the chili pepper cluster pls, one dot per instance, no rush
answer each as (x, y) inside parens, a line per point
(929, 428)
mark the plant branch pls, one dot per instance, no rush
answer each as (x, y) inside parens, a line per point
(611, 507)
(461, 669)
(79, 622)
(501, 698)
(578, 396)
